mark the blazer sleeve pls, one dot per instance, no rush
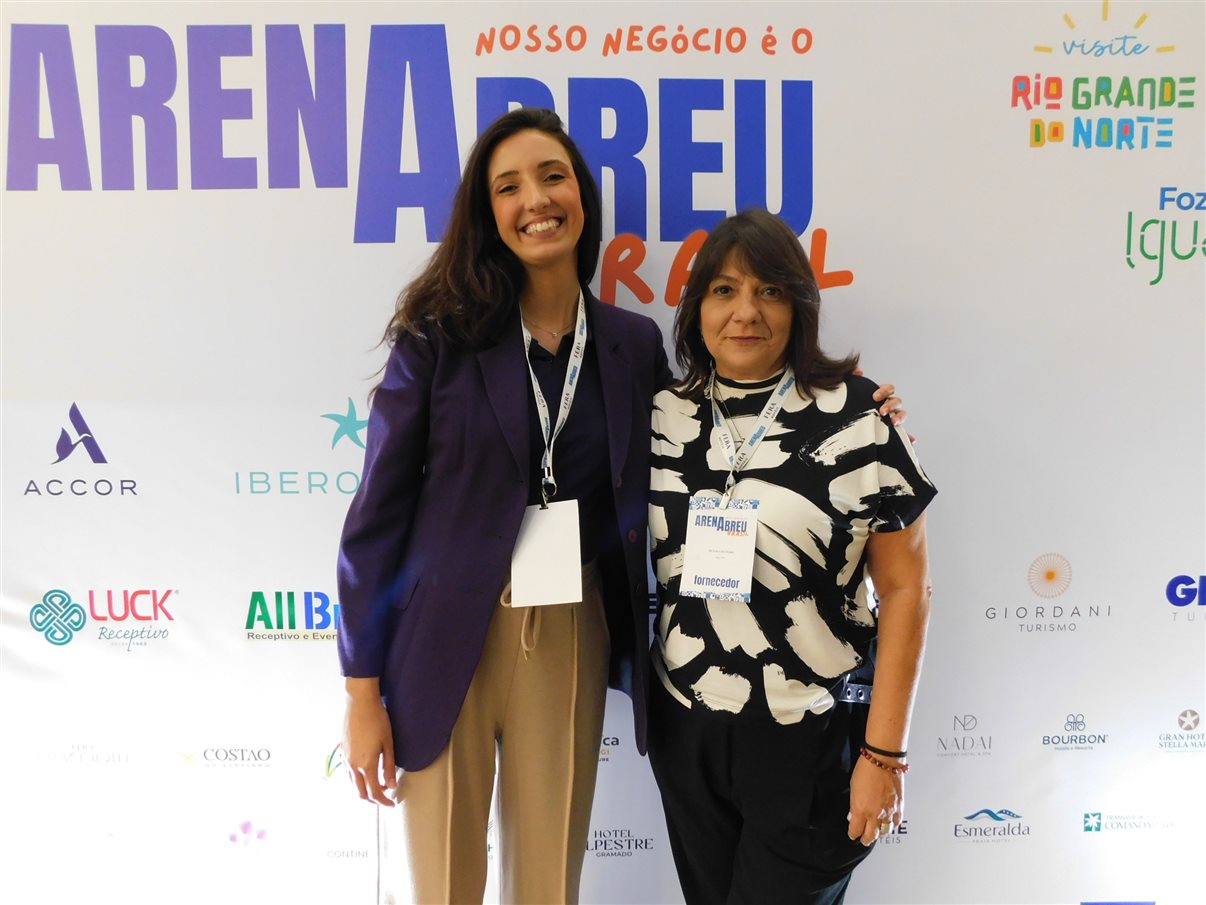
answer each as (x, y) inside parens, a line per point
(662, 377)
(375, 533)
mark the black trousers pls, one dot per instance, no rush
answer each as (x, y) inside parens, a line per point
(757, 813)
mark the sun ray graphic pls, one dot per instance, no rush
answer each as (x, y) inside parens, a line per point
(1050, 575)
(1105, 10)
(1068, 19)
(1105, 17)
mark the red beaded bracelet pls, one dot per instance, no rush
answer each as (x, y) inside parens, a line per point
(900, 770)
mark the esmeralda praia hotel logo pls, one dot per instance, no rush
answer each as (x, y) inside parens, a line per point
(1117, 102)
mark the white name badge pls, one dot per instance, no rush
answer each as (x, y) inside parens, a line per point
(719, 559)
(546, 566)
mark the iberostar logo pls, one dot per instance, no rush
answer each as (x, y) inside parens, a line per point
(347, 425)
(57, 617)
(83, 437)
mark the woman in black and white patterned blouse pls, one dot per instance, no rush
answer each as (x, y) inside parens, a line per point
(774, 785)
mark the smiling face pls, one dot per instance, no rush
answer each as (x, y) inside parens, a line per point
(536, 200)
(745, 322)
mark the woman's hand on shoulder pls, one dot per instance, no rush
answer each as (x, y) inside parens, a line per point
(368, 745)
(876, 798)
(892, 405)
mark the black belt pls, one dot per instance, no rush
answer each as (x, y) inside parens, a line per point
(852, 692)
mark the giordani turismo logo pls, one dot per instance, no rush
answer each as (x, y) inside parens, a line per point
(1074, 737)
(1186, 593)
(76, 436)
(1115, 111)
(989, 825)
(59, 618)
(349, 428)
(1049, 576)
(291, 616)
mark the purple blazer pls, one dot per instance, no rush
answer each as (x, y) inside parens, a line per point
(426, 547)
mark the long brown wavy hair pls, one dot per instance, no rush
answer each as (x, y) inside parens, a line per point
(767, 249)
(472, 281)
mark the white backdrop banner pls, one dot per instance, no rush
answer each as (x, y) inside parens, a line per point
(208, 211)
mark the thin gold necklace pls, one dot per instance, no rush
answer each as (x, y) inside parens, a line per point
(553, 333)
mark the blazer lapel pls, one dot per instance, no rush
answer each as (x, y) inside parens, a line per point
(504, 371)
(616, 376)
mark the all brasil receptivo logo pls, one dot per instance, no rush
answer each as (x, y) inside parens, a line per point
(78, 446)
(1049, 577)
(348, 430)
(125, 618)
(291, 616)
(1114, 107)
(1075, 737)
(1185, 593)
(987, 825)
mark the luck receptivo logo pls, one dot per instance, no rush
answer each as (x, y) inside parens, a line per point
(1075, 736)
(59, 618)
(315, 480)
(78, 448)
(1049, 576)
(966, 738)
(1117, 77)
(987, 825)
(291, 616)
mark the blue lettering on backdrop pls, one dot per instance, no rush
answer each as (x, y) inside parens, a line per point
(382, 189)
(321, 107)
(680, 157)
(209, 105)
(119, 102)
(588, 98)
(48, 46)
(608, 117)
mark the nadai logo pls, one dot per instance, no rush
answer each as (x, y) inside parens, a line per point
(83, 437)
(317, 481)
(247, 834)
(57, 617)
(1110, 106)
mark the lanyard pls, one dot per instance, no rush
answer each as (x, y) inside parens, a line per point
(548, 486)
(739, 458)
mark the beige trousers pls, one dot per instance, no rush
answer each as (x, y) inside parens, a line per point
(536, 703)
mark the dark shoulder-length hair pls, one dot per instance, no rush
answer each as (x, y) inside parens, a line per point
(766, 248)
(473, 280)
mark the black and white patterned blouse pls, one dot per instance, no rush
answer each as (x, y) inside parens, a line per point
(828, 472)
